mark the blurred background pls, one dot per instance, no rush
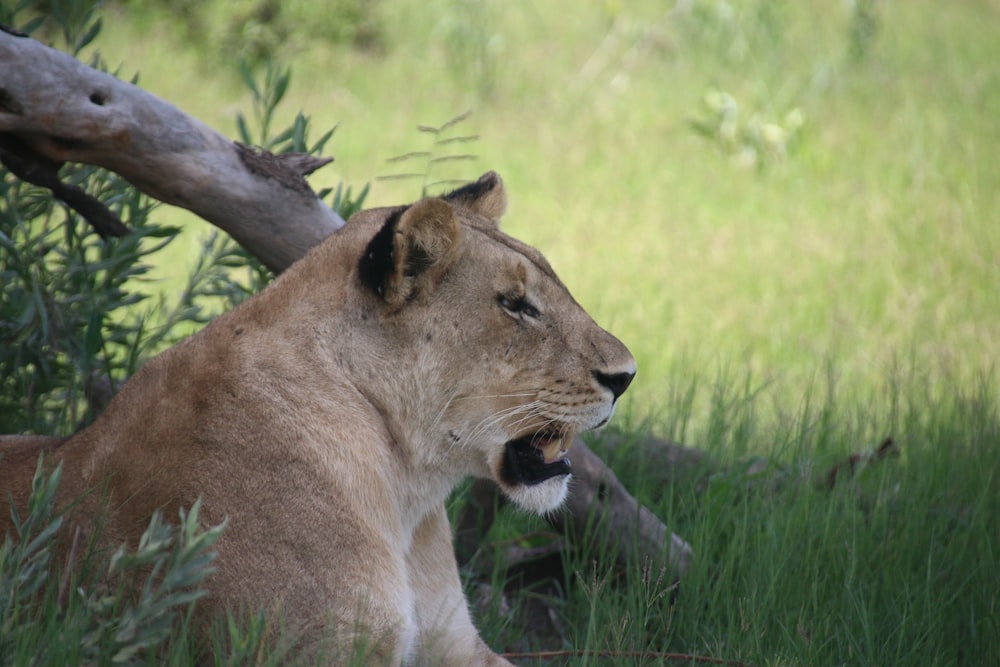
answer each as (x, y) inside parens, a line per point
(800, 190)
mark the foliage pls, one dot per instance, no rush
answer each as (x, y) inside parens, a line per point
(76, 22)
(122, 614)
(437, 154)
(267, 92)
(751, 140)
(261, 30)
(70, 321)
(62, 298)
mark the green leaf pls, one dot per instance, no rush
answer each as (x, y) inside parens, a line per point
(284, 135)
(88, 36)
(281, 87)
(317, 147)
(92, 344)
(32, 25)
(248, 78)
(299, 133)
(241, 126)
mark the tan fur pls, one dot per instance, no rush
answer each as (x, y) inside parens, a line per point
(328, 421)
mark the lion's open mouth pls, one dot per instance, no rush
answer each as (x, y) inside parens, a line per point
(536, 457)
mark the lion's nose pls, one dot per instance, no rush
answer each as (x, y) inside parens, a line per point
(616, 382)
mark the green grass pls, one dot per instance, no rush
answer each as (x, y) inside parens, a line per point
(795, 311)
(896, 565)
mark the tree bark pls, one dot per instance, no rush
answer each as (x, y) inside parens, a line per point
(60, 110)
(55, 109)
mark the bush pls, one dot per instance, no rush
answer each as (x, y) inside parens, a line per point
(121, 612)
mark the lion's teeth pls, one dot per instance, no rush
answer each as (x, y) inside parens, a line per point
(554, 449)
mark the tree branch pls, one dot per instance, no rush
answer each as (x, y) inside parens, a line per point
(64, 111)
(37, 170)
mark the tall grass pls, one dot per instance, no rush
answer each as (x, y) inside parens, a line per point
(894, 565)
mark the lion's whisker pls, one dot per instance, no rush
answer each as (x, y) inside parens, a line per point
(509, 395)
(498, 417)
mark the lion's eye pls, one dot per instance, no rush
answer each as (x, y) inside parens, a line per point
(518, 306)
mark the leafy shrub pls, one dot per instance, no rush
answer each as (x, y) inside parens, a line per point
(122, 614)
(257, 30)
(750, 137)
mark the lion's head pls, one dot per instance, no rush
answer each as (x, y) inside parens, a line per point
(470, 346)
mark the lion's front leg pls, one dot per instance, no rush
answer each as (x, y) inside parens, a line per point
(447, 635)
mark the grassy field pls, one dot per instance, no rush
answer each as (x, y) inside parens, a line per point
(789, 211)
(896, 566)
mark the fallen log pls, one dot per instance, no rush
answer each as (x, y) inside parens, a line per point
(55, 109)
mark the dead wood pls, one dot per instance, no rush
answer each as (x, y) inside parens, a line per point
(846, 469)
(59, 110)
(37, 170)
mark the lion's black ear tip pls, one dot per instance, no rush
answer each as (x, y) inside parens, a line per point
(490, 178)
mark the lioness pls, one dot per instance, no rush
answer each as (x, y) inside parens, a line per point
(329, 417)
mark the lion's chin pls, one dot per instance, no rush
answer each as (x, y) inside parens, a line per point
(540, 498)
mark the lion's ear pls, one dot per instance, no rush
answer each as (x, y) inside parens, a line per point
(485, 197)
(415, 247)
